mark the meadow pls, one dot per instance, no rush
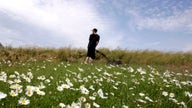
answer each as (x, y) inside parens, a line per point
(47, 78)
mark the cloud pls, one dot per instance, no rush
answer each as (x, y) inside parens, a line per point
(51, 22)
(182, 22)
(160, 15)
(9, 34)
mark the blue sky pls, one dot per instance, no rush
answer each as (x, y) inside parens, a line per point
(164, 25)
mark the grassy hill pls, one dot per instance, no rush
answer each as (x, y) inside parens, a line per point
(137, 57)
(57, 78)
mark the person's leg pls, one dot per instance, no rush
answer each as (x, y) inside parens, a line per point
(86, 60)
(88, 55)
(90, 60)
(92, 55)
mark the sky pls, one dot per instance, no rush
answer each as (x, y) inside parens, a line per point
(164, 25)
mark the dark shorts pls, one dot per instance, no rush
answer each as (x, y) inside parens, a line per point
(91, 52)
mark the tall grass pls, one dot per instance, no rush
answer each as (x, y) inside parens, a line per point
(76, 55)
(149, 57)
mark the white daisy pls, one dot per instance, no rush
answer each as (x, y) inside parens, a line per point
(62, 105)
(100, 93)
(87, 105)
(171, 95)
(42, 93)
(96, 105)
(29, 93)
(141, 94)
(60, 88)
(2, 95)
(65, 86)
(23, 101)
(13, 93)
(164, 93)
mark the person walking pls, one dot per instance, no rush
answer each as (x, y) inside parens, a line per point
(93, 42)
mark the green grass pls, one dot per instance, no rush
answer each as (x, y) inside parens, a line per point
(124, 85)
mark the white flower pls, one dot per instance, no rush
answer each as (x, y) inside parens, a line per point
(41, 77)
(100, 93)
(69, 82)
(124, 106)
(82, 99)
(147, 98)
(17, 80)
(19, 90)
(99, 70)
(55, 69)
(184, 83)
(24, 101)
(12, 76)
(15, 86)
(42, 93)
(174, 100)
(29, 93)
(112, 93)
(65, 86)
(141, 94)
(80, 69)
(107, 74)
(62, 105)
(87, 105)
(171, 95)
(188, 94)
(183, 103)
(92, 97)
(91, 87)
(164, 93)
(51, 77)
(10, 82)
(13, 93)
(47, 81)
(30, 88)
(94, 94)
(141, 71)
(30, 75)
(115, 87)
(2, 95)
(142, 101)
(17, 73)
(96, 105)
(75, 105)
(84, 90)
(130, 69)
(189, 83)
(36, 89)
(3, 77)
(60, 88)
(28, 79)
(41, 86)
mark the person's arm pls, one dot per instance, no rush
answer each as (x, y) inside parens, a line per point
(97, 42)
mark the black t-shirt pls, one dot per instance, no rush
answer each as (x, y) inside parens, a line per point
(93, 38)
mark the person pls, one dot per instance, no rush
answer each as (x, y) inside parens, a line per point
(93, 42)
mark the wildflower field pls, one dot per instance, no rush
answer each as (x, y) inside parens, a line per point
(51, 84)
